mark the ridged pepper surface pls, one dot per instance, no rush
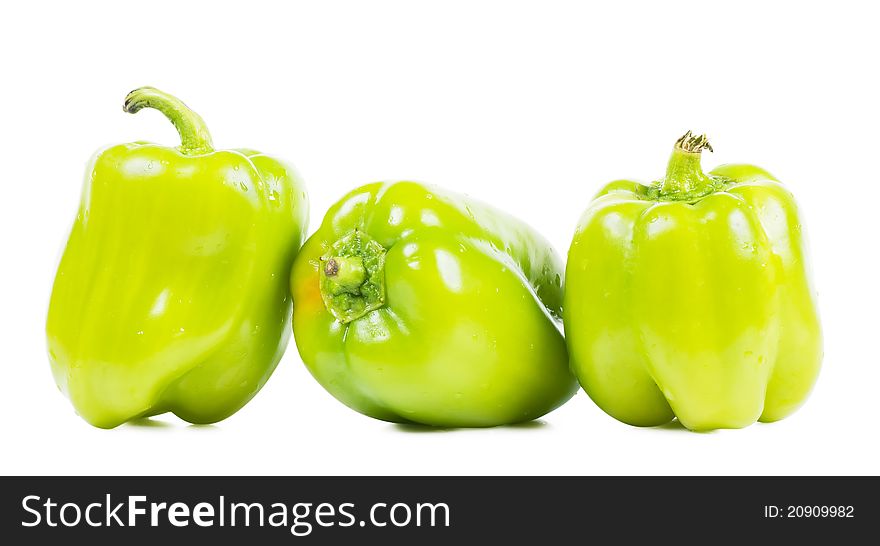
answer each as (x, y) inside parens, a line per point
(691, 298)
(172, 291)
(417, 305)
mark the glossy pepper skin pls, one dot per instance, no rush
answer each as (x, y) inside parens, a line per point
(416, 305)
(172, 291)
(691, 298)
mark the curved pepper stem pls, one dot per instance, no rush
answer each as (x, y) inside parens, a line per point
(685, 179)
(194, 136)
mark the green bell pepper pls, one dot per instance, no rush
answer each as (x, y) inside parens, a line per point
(414, 305)
(691, 298)
(172, 292)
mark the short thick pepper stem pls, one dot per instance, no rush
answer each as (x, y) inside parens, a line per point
(194, 136)
(345, 273)
(352, 277)
(685, 178)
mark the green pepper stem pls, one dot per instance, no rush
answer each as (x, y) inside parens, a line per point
(194, 136)
(685, 178)
(352, 277)
(345, 273)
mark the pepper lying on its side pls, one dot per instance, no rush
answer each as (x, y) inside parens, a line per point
(416, 305)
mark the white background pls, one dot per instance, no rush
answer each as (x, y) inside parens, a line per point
(528, 105)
